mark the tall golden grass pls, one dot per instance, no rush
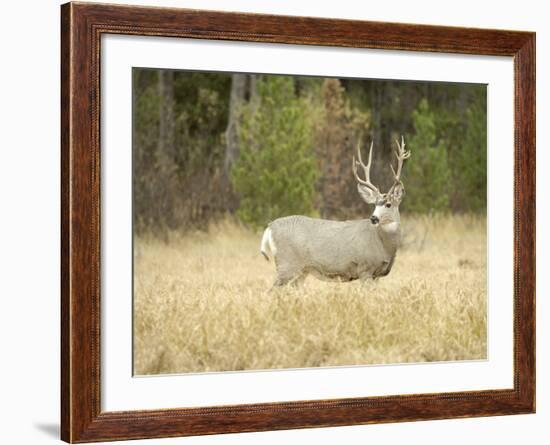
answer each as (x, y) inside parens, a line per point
(201, 303)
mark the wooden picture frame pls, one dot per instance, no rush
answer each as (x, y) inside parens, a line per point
(82, 25)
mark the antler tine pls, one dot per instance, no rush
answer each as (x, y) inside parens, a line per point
(401, 154)
(366, 168)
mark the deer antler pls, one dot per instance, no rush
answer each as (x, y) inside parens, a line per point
(366, 168)
(401, 155)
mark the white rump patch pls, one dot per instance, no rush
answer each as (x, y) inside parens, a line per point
(267, 242)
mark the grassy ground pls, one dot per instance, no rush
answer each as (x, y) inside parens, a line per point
(201, 304)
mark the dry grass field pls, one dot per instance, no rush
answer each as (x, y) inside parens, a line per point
(201, 304)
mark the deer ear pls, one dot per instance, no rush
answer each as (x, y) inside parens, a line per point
(367, 194)
(397, 193)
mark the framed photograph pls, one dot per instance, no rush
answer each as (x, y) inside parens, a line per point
(274, 222)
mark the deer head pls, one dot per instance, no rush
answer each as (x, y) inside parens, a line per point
(386, 209)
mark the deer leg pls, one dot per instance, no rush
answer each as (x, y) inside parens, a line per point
(280, 281)
(294, 280)
(286, 272)
(284, 278)
(298, 281)
(365, 277)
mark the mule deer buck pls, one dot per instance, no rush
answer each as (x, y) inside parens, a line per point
(341, 250)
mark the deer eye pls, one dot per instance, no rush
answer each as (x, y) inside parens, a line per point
(388, 205)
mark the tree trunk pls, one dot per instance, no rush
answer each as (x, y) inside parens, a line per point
(167, 125)
(237, 98)
(165, 190)
(253, 96)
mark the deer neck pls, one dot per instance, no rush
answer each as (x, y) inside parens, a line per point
(390, 235)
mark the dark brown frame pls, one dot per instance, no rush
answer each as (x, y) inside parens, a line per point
(82, 25)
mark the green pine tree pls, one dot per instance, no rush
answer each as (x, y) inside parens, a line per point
(472, 158)
(276, 171)
(427, 175)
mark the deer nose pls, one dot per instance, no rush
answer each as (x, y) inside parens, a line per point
(374, 219)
